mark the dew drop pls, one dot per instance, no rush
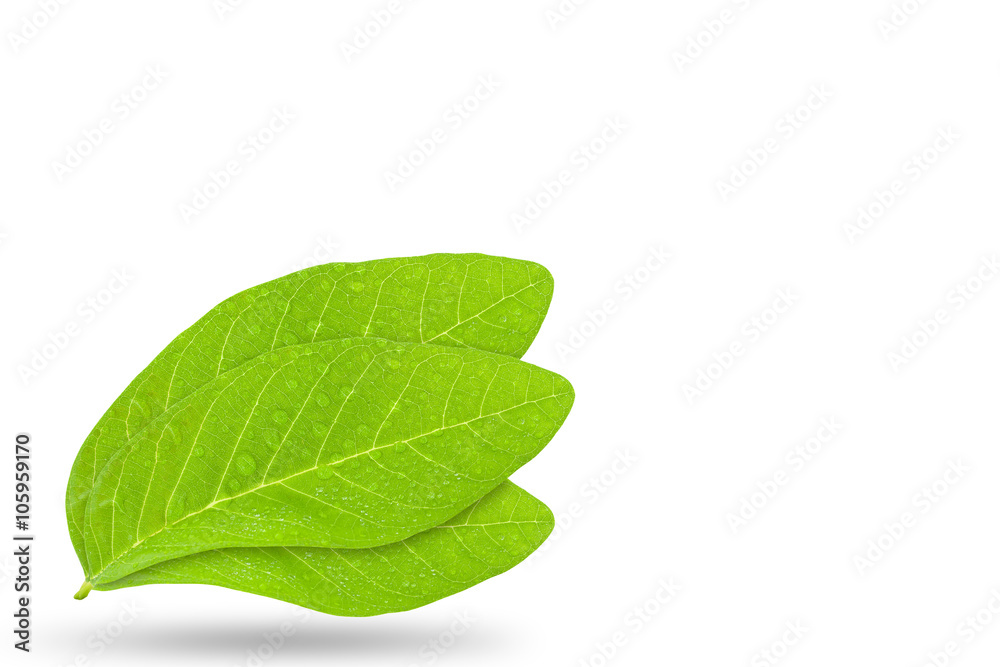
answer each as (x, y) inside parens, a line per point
(245, 464)
(177, 507)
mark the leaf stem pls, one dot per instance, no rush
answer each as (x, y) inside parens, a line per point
(84, 591)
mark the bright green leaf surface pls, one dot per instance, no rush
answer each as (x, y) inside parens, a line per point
(473, 301)
(352, 443)
(487, 539)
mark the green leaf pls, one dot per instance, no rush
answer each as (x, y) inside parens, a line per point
(475, 301)
(485, 540)
(352, 443)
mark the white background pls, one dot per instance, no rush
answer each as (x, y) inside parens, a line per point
(322, 183)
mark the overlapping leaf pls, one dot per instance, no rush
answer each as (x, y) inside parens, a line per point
(477, 301)
(489, 538)
(394, 459)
